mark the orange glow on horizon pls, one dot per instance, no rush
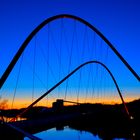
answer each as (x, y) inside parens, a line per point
(23, 103)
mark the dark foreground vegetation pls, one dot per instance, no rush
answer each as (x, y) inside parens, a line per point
(106, 121)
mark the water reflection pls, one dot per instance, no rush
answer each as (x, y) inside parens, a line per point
(67, 133)
(7, 119)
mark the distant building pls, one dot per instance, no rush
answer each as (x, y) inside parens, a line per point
(58, 105)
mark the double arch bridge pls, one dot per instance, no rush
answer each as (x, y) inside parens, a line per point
(33, 34)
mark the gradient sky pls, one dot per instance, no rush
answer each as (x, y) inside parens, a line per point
(118, 20)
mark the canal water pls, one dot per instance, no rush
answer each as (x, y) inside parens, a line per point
(67, 134)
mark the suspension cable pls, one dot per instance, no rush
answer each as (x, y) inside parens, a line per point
(18, 74)
(82, 56)
(69, 66)
(34, 70)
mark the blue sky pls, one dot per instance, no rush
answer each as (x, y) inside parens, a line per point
(118, 20)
